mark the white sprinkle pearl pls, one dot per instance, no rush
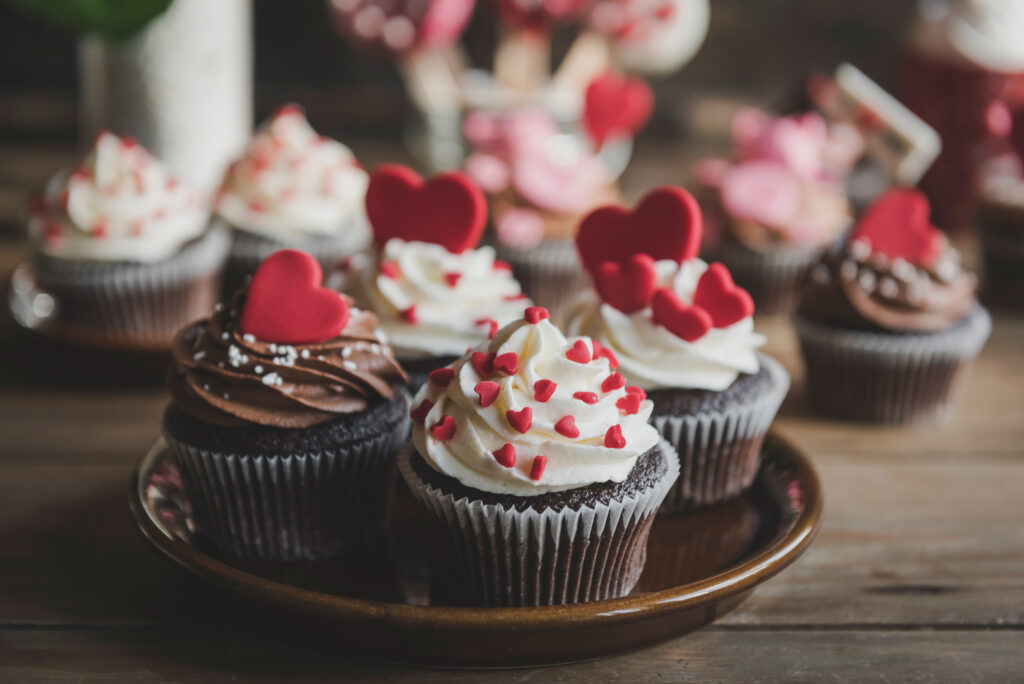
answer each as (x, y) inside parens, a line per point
(860, 249)
(350, 365)
(249, 338)
(258, 370)
(346, 352)
(888, 288)
(848, 270)
(305, 354)
(866, 280)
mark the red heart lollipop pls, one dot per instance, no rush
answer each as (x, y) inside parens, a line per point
(666, 224)
(724, 301)
(448, 209)
(629, 286)
(615, 105)
(898, 225)
(286, 305)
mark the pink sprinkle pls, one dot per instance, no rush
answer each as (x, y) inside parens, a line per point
(409, 315)
(389, 269)
(586, 397)
(419, 414)
(613, 382)
(442, 376)
(579, 353)
(537, 469)
(505, 456)
(633, 389)
(543, 389)
(99, 229)
(443, 429)
(492, 326)
(452, 278)
(566, 426)
(500, 265)
(613, 439)
(507, 363)
(536, 314)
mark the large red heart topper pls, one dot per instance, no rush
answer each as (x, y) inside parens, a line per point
(286, 305)
(614, 105)
(898, 225)
(447, 210)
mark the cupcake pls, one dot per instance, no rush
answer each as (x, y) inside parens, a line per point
(888, 322)
(539, 182)
(538, 470)
(436, 293)
(286, 416)
(292, 188)
(681, 332)
(779, 202)
(1000, 221)
(123, 248)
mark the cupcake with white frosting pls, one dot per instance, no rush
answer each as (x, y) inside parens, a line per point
(123, 247)
(292, 188)
(539, 468)
(683, 332)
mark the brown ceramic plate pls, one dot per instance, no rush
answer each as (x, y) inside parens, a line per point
(699, 567)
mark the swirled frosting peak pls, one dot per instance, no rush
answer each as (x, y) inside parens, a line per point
(225, 377)
(531, 411)
(293, 184)
(120, 204)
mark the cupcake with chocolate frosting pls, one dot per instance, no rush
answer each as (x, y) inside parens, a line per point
(436, 293)
(681, 332)
(286, 416)
(889, 320)
(123, 248)
(292, 188)
(538, 468)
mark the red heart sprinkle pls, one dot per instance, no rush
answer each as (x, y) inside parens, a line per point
(898, 225)
(389, 269)
(724, 301)
(507, 363)
(566, 426)
(505, 456)
(487, 391)
(580, 352)
(514, 297)
(613, 361)
(500, 265)
(452, 278)
(586, 397)
(613, 382)
(419, 414)
(409, 315)
(614, 105)
(638, 391)
(442, 376)
(628, 404)
(543, 389)
(492, 326)
(628, 287)
(687, 322)
(484, 363)
(520, 420)
(537, 469)
(536, 314)
(596, 348)
(447, 210)
(286, 305)
(613, 439)
(443, 429)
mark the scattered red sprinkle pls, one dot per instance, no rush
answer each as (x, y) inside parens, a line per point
(520, 420)
(613, 439)
(505, 456)
(488, 391)
(629, 404)
(419, 414)
(536, 314)
(257, 206)
(633, 389)
(484, 363)
(128, 142)
(452, 278)
(389, 269)
(172, 183)
(160, 213)
(580, 352)
(81, 175)
(596, 347)
(444, 429)
(136, 227)
(500, 265)
(442, 376)
(507, 363)
(514, 298)
(613, 382)
(53, 233)
(665, 12)
(99, 229)
(537, 469)
(289, 193)
(613, 361)
(566, 426)
(587, 397)
(543, 389)
(409, 315)
(492, 326)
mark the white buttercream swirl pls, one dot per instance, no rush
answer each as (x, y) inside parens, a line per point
(652, 357)
(468, 455)
(120, 204)
(984, 32)
(446, 318)
(292, 184)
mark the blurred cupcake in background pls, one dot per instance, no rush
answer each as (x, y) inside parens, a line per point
(681, 333)
(123, 248)
(889, 321)
(779, 201)
(436, 293)
(292, 188)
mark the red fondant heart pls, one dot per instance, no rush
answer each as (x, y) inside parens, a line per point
(614, 105)
(629, 404)
(898, 225)
(521, 420)
(629, 286)
(666, 224)
(685, 321)
(488, 392)
(448, 209)
(286, 305)
(724, 301)
(579, 352)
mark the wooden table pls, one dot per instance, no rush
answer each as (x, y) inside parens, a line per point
(917, 573)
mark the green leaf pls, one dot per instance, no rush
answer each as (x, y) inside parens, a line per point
(114, 19)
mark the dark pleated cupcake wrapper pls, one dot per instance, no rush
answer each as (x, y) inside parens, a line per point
(136, 303)
(291, 506)
(501, 557)
(550, 273)
(772, 278)
(720, 452)
(896, 379)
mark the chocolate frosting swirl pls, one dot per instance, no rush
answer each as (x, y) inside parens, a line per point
(854, 287)
(226, 378)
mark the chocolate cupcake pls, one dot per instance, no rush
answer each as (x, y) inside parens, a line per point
(682, 333)
(122, 248)
(435, 292)
(1000, 222)
(286, 416)
(292, 188)
(889, 321)
(540, 474)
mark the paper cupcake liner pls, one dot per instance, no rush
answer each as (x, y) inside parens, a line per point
(772, 278)
(288, 507)
(889, 378)
(1003, 257)
(720, 452)
(504, 557)
(550, 274)
(137, 303)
